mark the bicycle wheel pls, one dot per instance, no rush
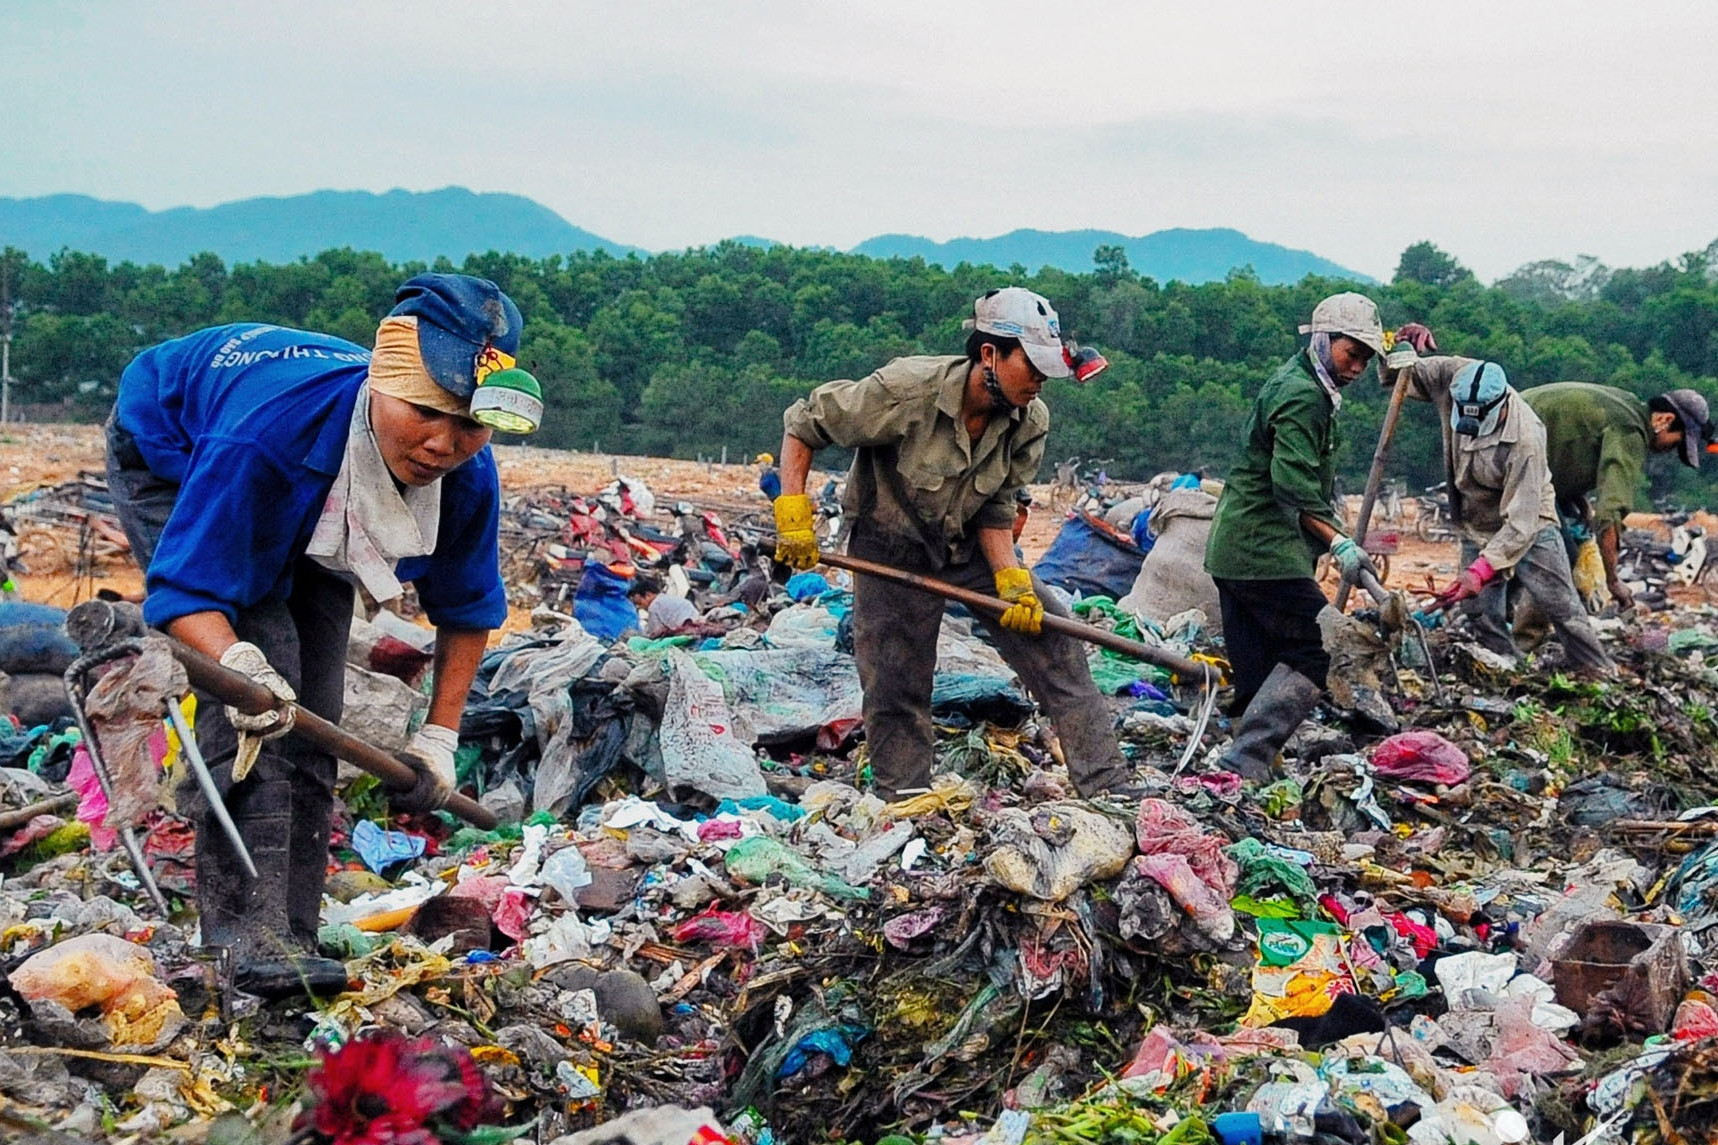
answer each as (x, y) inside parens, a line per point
(41, 552)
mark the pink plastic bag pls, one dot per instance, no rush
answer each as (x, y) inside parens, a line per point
(92, 802)
(1163, 828)
(1424, 756)
(721, 928)
(1694, 1020)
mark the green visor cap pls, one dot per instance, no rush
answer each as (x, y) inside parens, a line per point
(508, 401)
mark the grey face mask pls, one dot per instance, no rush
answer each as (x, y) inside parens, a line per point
(1474, 417)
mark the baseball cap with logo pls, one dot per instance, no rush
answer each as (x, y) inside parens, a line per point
(1352, 315)
(1015, 312)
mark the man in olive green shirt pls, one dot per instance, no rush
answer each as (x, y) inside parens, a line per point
(1597, 439)
(1274, 520)
(943, 444)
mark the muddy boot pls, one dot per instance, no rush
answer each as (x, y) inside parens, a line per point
(249, 916)
(1282, 702)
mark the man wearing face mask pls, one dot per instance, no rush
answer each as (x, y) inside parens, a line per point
(260, 473)
(1503, 503)
(942, 445)
(1273, 521)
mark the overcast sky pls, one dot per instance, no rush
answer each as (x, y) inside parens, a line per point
(1503, 130)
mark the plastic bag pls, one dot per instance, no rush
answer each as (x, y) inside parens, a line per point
(1302, 967)
(116, 976)
(722, 928)
(1589, 574)
(1421, 755)
(1054, 849)
(567, 871)
(381, 849)
(699, 750)
(756, 859)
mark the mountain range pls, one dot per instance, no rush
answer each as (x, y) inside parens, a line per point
(422, 225)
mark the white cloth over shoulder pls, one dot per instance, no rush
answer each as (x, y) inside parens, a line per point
(369, 522)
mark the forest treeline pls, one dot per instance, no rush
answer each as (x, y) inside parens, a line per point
(685, 354)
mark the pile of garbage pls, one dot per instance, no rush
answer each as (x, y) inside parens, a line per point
(1483, 914)
(69, 526)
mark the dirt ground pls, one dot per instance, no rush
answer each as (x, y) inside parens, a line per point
(39, 455)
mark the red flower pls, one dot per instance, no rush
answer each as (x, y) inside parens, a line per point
(382, 1088)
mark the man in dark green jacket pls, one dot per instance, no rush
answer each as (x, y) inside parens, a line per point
(1597, 438)
(1274, 520)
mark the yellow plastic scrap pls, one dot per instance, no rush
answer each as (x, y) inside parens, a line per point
(951, 795)
(494, 1055)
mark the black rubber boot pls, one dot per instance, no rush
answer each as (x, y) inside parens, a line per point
(249, 916)
(1281, 703)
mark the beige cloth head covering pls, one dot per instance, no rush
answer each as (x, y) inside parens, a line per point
(397, 368)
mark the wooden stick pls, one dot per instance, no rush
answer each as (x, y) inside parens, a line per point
(1375, 475)
(1186, 671)
(18, 818)
(248, 696)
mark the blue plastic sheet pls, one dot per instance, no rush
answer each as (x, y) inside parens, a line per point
(382, 849)
(806, 586)
(836, 1041)
(601, 605)
(1086, 560)
(779, 809)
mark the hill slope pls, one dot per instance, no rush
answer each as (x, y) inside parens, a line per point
(403, 225)
(1182, 254)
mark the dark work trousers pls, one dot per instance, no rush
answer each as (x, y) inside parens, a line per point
(1543, 573)
(895, 642)
(1271, 622)
(283, 808)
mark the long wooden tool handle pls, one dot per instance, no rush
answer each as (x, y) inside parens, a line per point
(1375, 475)
(248, 696)
(1187, 671)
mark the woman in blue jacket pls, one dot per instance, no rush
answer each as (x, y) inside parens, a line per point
(260, 473)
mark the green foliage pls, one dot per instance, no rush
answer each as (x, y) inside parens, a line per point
(686, 353)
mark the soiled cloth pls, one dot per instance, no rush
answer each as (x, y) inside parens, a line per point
(397, 368)
(370, 523)
(668, 614)
(916, 465)
(126, 707)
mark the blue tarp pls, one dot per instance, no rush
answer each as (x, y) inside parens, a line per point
(601, 605)
(1086, 560)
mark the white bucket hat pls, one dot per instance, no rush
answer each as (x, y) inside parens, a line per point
(1352, 315)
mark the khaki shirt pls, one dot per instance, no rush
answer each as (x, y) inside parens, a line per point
(1502, 495)
(906, 424)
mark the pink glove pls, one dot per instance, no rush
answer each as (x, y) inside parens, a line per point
(1419, 337)
(1468, 584)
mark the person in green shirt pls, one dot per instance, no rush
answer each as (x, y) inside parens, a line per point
(1273, 521)
(1597, 439)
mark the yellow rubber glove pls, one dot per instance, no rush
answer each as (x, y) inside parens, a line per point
(1027, 615)
(795, 543)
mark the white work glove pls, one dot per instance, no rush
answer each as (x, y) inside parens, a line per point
(431, 754)
(248, 660)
